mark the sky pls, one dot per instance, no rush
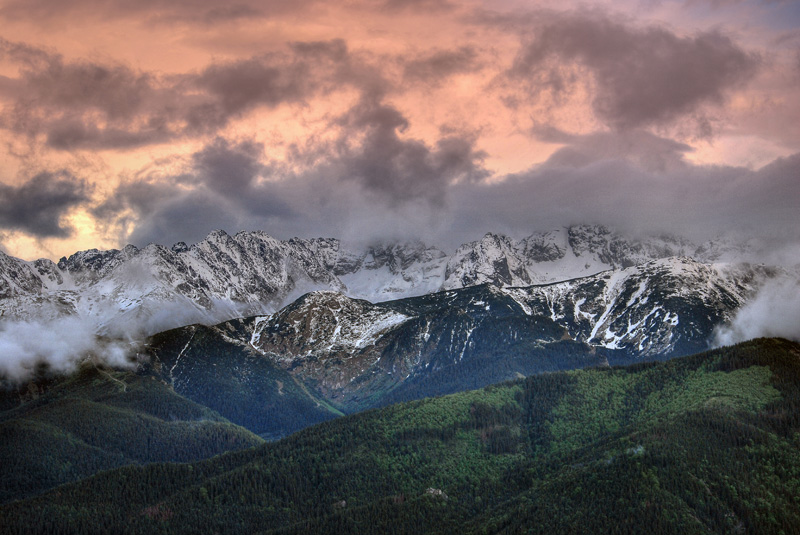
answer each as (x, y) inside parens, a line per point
(162, 120)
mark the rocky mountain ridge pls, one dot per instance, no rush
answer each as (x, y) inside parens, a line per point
(329, 353)
(154, 288)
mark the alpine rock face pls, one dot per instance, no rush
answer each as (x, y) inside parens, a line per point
(136, 291)
(155, 287)
(558, 255)
(662, 307)
(327, 353)
(390, 271)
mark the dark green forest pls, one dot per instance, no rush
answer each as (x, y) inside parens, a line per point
(703, 444)
(72, 427)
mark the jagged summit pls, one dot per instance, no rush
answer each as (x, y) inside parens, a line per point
(223, 275)
(356, 354)
(324, 322)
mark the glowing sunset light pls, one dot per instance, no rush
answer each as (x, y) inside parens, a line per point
(394, 118)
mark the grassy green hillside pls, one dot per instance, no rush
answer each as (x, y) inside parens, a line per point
(99, 419)
(704, 444)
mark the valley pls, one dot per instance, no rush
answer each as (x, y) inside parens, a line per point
(699, 444)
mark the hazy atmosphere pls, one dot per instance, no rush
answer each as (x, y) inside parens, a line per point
(399, 266)
(161, 121)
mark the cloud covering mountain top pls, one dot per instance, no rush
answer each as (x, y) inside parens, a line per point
(359, 120)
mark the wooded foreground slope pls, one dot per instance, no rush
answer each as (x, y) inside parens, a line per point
(69, 427)
(702, 444)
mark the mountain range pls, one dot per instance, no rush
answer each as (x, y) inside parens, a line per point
(245, 339)
(495, 310)
(140, 291)
(327, 354)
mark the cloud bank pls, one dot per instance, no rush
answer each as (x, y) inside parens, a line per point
(773, 312)
(58, 345)
(381, 120)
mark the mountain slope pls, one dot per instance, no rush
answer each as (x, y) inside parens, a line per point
(136, 291)
(658, 308)
(567, 253)
(218, 368)
(327, 354)
(705, 444)
(60, 430)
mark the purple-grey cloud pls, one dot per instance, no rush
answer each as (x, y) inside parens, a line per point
(441, 64)
(230, 185)
(194, 12)
(220, 188)
(642, 76)
(415, 5)
(722, 4)
(646, 150)
(607, 187)
(86, 105)
(397, 169)
(38, 205)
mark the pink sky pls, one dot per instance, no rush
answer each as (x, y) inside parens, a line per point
(159, 121)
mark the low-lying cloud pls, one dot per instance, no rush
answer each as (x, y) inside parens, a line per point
(58, 345)
(773, 312)
(648, 187)
(382, 185)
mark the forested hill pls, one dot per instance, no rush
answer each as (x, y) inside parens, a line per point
(703, 444)
(65, 428)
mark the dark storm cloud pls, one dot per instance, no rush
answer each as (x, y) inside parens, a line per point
(228, 169)
(38, 205)
(221, 188)
(96, 106)
(75, 133)
(442, 64)
(643, 76)
(602, 185)
(234, 171)
(239, 86)
(303, 70)
(397, 169)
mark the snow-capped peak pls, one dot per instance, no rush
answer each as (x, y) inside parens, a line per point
(253, 273)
